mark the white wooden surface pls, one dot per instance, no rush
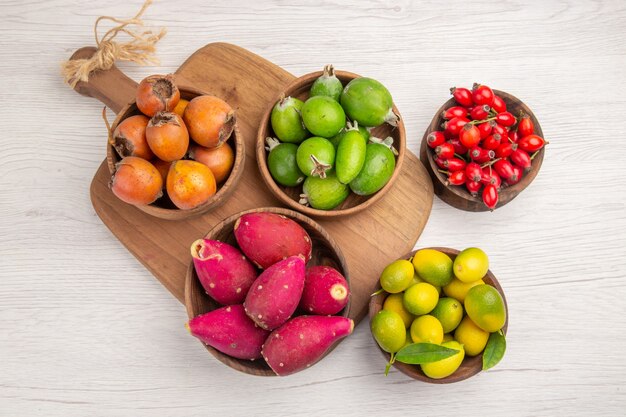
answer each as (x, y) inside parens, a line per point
(85, 330)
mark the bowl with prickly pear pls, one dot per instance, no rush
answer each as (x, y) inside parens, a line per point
(267, 292)
(439, 315)
(482, 148)
(174, 153)
(332, 144)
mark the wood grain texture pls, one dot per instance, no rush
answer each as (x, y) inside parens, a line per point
(87, 330)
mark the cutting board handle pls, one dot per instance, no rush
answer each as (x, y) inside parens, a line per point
(112, 87)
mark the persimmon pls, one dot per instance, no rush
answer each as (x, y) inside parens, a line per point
(157, 93)
(210, 120)
(129, 138)
(136, 181)
(167, 136)
(180, 107)
(219, 160)
(163, 167)
(190, 184)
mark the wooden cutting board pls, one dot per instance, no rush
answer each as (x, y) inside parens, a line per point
(369, 240)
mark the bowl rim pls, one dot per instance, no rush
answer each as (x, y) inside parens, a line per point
(261, 154)
(223, 190)
(508, 193)
(238, 364)
(414, 371)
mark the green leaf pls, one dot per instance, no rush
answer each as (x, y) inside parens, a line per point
(494, 351)
(418, 353)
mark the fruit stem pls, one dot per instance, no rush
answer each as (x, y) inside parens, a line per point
(460, 156)
(392, 118)
(534, 154)
(488, 164)
(304, 200)
(443, 171)
(329, 71)
(392, 359)
(479, 122)
(388, 142)
(271, 143)
(319, 168)
(352, 126)
(375, 293)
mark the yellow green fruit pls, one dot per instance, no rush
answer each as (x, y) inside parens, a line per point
(416, 280)
(420, 298)
(445, 367)
(449, 312)
(388, 331)
(426, 329)
(458, 289)
(471, 264)
(433, 266)
(394, 303)
(473, 338)
(397, 276)
(485, 306)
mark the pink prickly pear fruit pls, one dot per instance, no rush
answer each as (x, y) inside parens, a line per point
(223, 270)
(229, 330)
(302, 341)
(325, 291)
(267, 238)
(275, 294)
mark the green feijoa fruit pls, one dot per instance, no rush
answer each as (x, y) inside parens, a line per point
(368, 102)
(364, 131)
(377, 170)
(323, 116)
(315, 156)
(350, 155)
(324, 193)
(327, 84)
(282, 164)
(287, 122)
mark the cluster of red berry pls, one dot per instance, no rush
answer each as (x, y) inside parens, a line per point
(482, 144)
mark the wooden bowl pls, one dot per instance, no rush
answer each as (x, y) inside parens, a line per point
(458, 196)
(325, 252)
(163, 207)
(299, 88)
(471, 365)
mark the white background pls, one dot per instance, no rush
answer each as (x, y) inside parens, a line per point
(86, 330)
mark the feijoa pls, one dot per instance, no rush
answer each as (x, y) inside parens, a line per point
(377, 170)
(350, 155)
(281, 162)
(287, 122)
(324, 193)
(315, 156)
(368, 102)
(364, 131)
(327, 84)
(323, 116)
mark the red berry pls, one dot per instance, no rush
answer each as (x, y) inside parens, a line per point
(485, 128)
(506, 119)
(518, 173)
(514, 136)
(473, 171)
(459, 148)
(454, 164)
(504, 168)
(445, 151)
(525, 126)
(492, 141)
(480, 112)
(490, 196)
(490, 176)
(521, 159)
(505, 149)
(480, 155)
(481, 94)
(531, 143)
(469, 136)
(456, 178)
(473, 187)
(501, 130)
(454, 125)
(463, 96)
(452, 112)
(498, 104)
(435, 139)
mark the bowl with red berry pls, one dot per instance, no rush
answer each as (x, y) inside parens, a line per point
(482, 148)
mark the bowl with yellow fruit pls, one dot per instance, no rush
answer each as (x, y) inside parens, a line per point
(440, 315)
